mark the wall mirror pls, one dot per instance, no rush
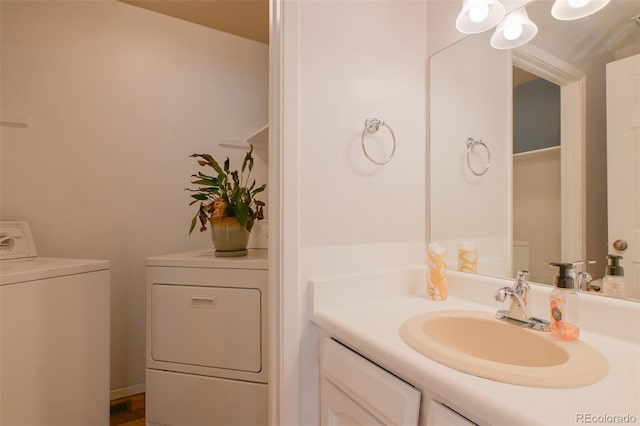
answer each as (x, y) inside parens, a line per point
(549, 181)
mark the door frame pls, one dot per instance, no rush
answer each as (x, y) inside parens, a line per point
(275, 407)
(572, 82)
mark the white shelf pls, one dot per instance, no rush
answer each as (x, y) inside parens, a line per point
(259, 139)
(537, 151)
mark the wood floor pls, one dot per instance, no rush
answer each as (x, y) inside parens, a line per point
(128, 411)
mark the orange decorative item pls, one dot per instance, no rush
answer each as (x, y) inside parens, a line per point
(467, 257)
(437, 281)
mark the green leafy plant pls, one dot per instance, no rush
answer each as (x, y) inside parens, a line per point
(226, 194)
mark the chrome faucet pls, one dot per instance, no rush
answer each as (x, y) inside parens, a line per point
(518, 312)
(584, 278)
(584, 282)
(517, 309)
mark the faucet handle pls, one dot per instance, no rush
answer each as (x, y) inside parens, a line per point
(522, 285)
(521, 278)
(502, 293)
(583, 262)
(517, 309)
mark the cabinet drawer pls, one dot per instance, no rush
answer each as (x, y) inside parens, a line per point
(207, 326)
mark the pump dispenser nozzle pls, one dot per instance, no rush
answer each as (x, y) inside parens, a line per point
(566, 275)
(613, 282)
(613, 265)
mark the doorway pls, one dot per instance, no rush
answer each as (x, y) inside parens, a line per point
(572, 85)
(536, 175)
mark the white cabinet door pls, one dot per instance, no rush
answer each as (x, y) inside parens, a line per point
(340, 410)
(355, 391)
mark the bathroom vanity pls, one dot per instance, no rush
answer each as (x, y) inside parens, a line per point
(207, 339)
(365, 314)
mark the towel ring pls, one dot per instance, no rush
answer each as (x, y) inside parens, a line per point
(372, 125)
(471, 144)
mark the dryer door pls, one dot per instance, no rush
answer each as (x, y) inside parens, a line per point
(208, 326)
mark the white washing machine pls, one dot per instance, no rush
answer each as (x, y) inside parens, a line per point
(54, 335)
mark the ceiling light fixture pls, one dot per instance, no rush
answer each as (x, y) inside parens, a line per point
(515, 30)
(477, 16)
(568, 10)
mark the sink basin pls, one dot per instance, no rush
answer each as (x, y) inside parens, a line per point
(475, 342)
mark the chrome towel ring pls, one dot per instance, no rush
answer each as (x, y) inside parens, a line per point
(372, 125)
(471, 144)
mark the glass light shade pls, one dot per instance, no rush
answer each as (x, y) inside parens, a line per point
(512, 30)
(515, 30)
(578, 3)
(470, 20)
(479, 13)
(565, 10)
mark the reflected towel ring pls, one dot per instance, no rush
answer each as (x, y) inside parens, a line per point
(471, 144)
(372, 125)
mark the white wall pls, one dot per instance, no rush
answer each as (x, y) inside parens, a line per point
(118, 98)
(465, 104)
(346, 61)
(536, 210)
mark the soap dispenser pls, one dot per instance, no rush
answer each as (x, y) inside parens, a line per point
(563, 304)
(613, 281)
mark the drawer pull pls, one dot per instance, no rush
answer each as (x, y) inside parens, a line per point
(203, 302)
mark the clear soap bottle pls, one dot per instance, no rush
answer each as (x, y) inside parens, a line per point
(564, 304)
(613, 282)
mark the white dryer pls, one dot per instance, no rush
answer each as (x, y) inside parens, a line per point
(54, 335)
(207, 339)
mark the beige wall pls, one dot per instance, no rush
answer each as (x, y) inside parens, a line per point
(536, 210)
(118, 98)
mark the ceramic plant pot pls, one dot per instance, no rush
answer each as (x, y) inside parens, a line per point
(229, 237)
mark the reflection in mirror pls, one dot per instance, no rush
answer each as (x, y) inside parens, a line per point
(545, 195)
(536, 175)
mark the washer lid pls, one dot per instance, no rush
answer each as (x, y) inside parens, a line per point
(38, 268)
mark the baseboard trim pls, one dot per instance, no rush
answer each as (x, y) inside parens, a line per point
(127, 391)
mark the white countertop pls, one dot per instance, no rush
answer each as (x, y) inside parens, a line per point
(365, 313)
(205, 258)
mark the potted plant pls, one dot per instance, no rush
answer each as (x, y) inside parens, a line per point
(227, 201)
